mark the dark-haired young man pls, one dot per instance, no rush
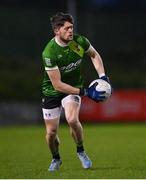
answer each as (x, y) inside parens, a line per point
(63, 85)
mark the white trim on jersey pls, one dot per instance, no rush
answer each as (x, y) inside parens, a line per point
(90, 47)
(51, 68)
(59, 43)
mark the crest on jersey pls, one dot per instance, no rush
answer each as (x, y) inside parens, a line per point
(76, 48)
(48, 61)
(59, 56)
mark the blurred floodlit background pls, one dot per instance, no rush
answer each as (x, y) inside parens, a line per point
(116, 28)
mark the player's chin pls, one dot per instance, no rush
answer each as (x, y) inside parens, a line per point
(70, 38)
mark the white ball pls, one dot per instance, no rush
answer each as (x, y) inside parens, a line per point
(102, 86)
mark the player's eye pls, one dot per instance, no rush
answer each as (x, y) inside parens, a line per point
(68, 28)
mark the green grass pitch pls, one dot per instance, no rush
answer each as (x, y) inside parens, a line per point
(117, 151)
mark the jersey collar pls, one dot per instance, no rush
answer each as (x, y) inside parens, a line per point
(60, 44)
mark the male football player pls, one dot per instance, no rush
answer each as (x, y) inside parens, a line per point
(63, 85)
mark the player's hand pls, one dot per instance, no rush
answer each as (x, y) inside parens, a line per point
(106, 78)
(95, 95)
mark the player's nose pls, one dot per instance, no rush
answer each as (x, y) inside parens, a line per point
(70, 29)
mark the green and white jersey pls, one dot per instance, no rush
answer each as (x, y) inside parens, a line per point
(67, 59)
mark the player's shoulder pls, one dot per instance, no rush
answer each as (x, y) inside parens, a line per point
(49, 48)
(82, 40)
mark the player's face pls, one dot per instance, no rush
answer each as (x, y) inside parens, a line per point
(65, 32)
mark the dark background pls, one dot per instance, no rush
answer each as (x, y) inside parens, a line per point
(116, 28)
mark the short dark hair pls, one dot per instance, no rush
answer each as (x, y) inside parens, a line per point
(59, 19)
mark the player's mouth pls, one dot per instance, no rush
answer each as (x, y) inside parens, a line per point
(70, 36)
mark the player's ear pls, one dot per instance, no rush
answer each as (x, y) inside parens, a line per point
(56, 30)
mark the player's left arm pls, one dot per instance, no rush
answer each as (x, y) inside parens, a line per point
(97, 62)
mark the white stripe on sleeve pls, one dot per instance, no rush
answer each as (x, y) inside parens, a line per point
(51, 68)
(90, 47)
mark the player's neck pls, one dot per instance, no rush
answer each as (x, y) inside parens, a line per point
(60, 42)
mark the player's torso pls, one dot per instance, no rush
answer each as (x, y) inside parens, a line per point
(68, 59)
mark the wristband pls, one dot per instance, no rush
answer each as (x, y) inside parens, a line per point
(83, 92)
(101, 75)
(105, 78)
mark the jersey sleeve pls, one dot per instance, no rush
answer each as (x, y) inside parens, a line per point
(49, 60)
(84, 42)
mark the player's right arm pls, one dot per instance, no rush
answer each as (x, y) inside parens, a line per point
(55, 78)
